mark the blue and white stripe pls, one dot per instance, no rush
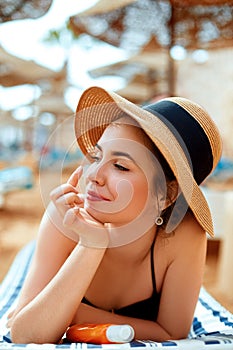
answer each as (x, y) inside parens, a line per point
(212, 327)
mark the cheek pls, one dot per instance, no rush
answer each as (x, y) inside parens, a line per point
(130, 196)
(140, 195)
(138, 199)
(123, 192)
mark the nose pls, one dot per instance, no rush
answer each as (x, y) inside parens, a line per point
(96, 173)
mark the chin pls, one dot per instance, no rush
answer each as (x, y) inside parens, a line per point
(117, 219)
(99, 216)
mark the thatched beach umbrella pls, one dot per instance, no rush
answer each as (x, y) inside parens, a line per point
(17, 71)
(145, 74)
(133, 24)
(11, 10)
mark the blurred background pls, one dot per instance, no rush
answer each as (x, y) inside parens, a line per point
(51, 50)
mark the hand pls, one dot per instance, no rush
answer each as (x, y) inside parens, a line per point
(67, 195)
(92, 233)
(69, 203)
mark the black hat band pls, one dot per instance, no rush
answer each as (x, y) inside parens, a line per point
(190, 135)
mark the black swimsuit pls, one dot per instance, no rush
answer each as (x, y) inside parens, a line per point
(145, 309)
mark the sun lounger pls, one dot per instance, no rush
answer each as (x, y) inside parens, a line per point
(212, 327)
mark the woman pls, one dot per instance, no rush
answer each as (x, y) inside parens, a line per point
(130, 246)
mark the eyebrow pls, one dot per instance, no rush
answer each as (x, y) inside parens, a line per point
(118, 153)
(123, 154)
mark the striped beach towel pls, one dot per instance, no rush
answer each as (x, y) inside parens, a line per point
(212, 327)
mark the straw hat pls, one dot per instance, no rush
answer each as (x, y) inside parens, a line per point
(181, 129)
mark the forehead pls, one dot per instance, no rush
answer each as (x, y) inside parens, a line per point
(125, 131)
(129, 139)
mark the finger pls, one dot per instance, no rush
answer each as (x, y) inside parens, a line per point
(87, 218)
(75, 176)
(69, 199)
(61, 190)
(75, 219)
(71, 216)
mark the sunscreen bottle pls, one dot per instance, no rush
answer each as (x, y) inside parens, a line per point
(100, 333)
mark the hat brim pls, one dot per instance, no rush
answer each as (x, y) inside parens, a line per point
(97, 108)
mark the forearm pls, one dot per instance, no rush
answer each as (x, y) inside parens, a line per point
(143, 329)
(47, 316)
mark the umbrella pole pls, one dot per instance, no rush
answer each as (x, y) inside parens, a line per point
(171, 63)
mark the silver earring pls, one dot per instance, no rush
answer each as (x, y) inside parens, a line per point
(159, 221)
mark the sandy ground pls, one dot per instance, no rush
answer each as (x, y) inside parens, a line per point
(19, 223)
(20, 218)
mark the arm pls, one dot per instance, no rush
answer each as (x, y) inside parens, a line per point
(183, 256)
(47, 316)
(51, 251)
(183, 279)
(143, 329)
(52, 294)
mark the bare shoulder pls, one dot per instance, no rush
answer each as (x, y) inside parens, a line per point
(187, 238)
(189, 228)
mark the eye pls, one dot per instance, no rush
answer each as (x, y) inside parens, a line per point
(95, 155)
(120, 167)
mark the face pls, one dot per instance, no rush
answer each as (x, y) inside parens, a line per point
(120, 180)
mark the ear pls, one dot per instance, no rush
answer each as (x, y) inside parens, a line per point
(172, 193)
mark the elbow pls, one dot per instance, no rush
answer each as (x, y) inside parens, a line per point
(21, 334)
(18, 335)
(178, 335)
(22, 338)
(17, 338)
(14, 334)
(174, 334)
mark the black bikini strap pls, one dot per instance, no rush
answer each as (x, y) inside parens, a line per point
(152, 264)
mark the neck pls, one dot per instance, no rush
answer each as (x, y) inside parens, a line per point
(135, 251)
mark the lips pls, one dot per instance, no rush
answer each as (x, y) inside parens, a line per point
(93, 196)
